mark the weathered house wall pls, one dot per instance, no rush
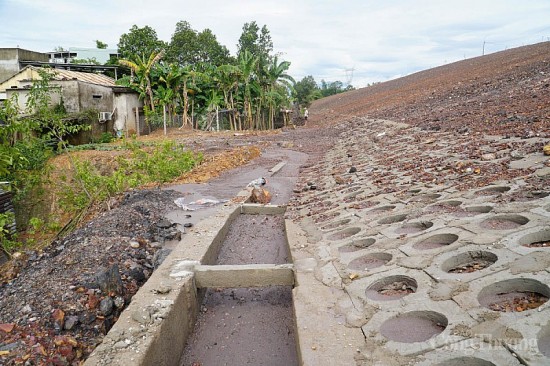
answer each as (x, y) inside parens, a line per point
(10, 58)
(81, 92)
(125, 115)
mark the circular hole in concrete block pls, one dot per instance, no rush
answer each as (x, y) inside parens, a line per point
(346, 233)
(465, 361)
(414, 326)
(425, 197)
(370, 261)
(391, 288)
(382, 209)
(351, 189)
(504, 222)
(335, 224)
(514, 295)
(362, 204)
(492, 190)
(540, 239)
(414, 227)
(436, 241)
(392, 219)
(356, 245)
(446, 206)
(543, 341)
(473, 211)
(326, 216)
(351, 197)
(469, 262)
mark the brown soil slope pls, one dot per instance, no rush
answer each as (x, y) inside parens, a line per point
(508, 89)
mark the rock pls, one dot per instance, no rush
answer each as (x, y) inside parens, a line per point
(164, 224)
(70, 322)
(352, 169)
(26, 309)
(106, 306)
(546, 150)
(119, 302)
(517, 155)
(339, 180)
(58, 316)
(160, 256)
(137, 274)
(134, 244)
(260, 195)
(489, 156)
(188, 224)
(109, 280)
(87, 318)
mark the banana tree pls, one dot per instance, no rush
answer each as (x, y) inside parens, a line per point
(142, 69)
(276, 76)
(247, 65)
(228, 79)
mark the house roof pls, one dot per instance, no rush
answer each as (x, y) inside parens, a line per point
(88, 77)
(62, 75)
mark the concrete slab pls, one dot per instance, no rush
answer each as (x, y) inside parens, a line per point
(357, 289)
(469, 352)
(250, 275)
(438, 268)
(451, 237)
(322, 337)
(516, 240)
(533, 331)
(454, 315)
(527, 282)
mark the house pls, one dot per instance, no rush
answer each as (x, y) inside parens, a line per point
(98, 54)
(80, 92)
(12, 60)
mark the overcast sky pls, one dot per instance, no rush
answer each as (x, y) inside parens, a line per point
(377, 39)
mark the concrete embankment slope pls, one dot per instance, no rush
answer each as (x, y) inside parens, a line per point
(431, 252)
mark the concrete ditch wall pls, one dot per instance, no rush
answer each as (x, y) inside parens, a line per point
(154, 328)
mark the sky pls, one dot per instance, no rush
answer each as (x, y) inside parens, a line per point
(356, 42)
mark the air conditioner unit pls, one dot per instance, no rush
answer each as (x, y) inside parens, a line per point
(105, 116)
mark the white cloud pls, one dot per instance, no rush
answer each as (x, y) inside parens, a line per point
(378, 39)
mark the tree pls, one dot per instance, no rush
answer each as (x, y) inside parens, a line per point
(334, 87)
(276, 75)
(101, 45)
(247, 66)
(189, 47)
(142, 68)
(257, 42)
(306, 91)
(139, 43)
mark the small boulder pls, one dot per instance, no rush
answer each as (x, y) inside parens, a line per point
(106, 306)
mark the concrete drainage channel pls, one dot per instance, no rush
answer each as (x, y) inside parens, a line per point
(227, 296)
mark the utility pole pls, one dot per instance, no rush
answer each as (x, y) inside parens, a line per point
(349, 75)
(483, 50)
